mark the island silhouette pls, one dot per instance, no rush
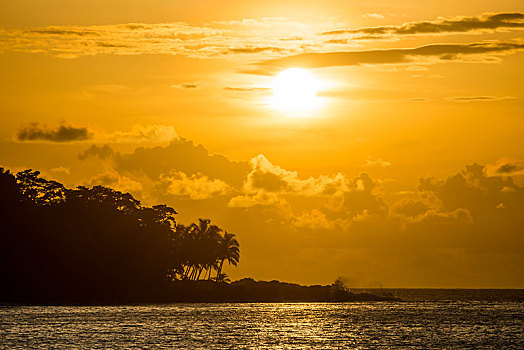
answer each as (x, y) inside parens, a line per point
(99, 245)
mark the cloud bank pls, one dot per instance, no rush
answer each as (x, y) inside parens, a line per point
(355, 224)
(267, 37)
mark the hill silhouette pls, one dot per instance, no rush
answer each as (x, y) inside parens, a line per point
(99, 245)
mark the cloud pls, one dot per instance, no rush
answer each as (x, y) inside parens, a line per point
(215, 39)
(506, 166)
(268, 37)
(452, 223)
(186, 86)
(427, 210)
(36, 132)
(479, 98)
(64, 32)
(336, 200)
(97, 152)
(337, 41)
(329, 202)
(196, 186)
(60, 134)
(60, 170)
(259, 90)
(419, 99)
(410, 207)
(112, 178)
(265, 176)
(254, 49)
(485, 197)
(376, 162)
(417, 68)
(316, 219)
(142, 133)
(485, 22)
(257, 199)
(473, 52)
(459, 215)
(293, 38)
(372, 15)
(181, 155)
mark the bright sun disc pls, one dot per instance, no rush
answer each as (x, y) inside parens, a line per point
(295, 90)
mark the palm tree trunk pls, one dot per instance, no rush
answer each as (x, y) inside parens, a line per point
(199, 272)
(219, 271)
(186, 271)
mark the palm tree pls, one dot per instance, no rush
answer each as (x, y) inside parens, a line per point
(206, 237)
(228, 249)
(202, 247)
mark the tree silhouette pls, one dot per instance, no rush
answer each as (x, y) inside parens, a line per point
(229, 250)
(94, 242)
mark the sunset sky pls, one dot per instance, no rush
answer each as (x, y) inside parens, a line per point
(393, 157)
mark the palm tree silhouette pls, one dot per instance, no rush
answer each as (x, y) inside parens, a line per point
(228, 249)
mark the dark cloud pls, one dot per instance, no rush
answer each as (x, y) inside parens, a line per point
(104, 179)
(509, 168)
(97, 152)
(442, 52)
(137, 26)
(181, 155)
(187, 86)
(63, 133)
(459, 25)
(506, 166)
(269, 181)
(103, 44)
(409, 207)
(61, 32)
(485, 197)
(364, 202)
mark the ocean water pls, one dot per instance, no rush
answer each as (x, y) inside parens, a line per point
(377, 325)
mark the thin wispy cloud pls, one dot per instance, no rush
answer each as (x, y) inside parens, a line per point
(471, 52)
(479, 98)
(187, 86)
(215, 39)
(256, 90)
(485, 22)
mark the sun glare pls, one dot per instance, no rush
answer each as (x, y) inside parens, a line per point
(295, 91)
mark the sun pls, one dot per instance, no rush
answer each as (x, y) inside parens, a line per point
(295, 91)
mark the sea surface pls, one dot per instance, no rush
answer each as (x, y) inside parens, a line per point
(434, 324)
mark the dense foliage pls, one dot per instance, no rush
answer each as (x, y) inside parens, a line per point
(98, 243)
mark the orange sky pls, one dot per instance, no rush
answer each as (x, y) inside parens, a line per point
(407, 172)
